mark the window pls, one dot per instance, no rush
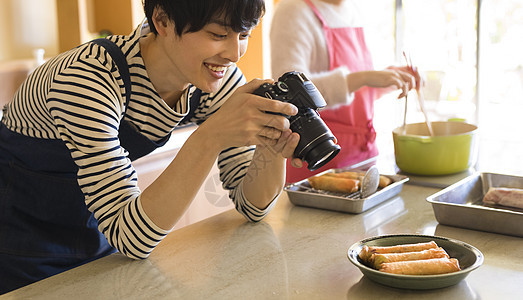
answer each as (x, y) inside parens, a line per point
(441, 39)
(501, 86)
(480, 81)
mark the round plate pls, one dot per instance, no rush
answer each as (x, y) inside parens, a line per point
(468, 256)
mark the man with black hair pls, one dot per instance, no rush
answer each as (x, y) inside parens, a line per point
(68, 189)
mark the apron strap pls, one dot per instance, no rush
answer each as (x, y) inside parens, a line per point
(136, 144)
(119, 58)
(317, 13)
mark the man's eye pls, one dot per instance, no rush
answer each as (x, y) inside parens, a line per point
(219, 36)
(245, 36)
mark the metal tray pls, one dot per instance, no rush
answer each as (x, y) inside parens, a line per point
(302, 194)
(461, 205)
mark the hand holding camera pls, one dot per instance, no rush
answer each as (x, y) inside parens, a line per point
(316, 145)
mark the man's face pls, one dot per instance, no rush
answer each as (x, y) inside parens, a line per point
(202, 57)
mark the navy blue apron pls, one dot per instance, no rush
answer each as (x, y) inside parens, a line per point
(45, 227)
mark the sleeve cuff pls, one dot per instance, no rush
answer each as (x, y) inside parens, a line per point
(147, 220)
(333, 86)
(246, 208)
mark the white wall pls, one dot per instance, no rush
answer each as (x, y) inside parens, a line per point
(26, 25)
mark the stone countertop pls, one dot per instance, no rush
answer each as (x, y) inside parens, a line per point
(295, 253)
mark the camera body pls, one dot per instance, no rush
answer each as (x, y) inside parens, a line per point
(316, 146)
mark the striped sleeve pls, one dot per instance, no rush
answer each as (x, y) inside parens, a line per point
(87, 111)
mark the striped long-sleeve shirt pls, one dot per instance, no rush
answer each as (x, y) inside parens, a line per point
(79, 97)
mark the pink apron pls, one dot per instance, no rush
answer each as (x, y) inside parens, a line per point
(351, 124)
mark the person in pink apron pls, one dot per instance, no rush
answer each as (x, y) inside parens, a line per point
(339, 63)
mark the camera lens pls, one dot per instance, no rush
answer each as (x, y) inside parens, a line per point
(316, 146)
(321, 154)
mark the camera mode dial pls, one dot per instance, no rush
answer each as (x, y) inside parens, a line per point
(283, 86)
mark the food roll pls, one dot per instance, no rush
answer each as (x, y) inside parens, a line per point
(384, 181)
(366, 252)
(512, 197)
(422, 267)
(348, 175)
(378, 259)
(351, 175)
(334, 184)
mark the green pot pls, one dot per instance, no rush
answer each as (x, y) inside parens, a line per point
(452, 148)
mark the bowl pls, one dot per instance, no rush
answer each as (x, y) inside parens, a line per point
(452, 149)
(468, 256)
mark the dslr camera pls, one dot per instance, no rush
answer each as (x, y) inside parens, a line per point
(316, 146)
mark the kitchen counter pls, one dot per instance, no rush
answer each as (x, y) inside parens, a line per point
(295, 253)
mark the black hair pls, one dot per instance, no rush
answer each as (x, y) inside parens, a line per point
(193, 15)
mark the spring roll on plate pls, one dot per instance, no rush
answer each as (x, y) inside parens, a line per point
(367, 251)
(422, 267)
(378, 259)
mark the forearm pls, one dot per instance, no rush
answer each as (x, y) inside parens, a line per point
(169, 196)
(357, 80)
(386, 80)
(265, 177)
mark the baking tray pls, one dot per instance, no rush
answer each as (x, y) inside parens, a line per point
(461, 205)
(302, 194)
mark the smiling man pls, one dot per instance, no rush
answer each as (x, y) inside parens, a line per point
(79, 121)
